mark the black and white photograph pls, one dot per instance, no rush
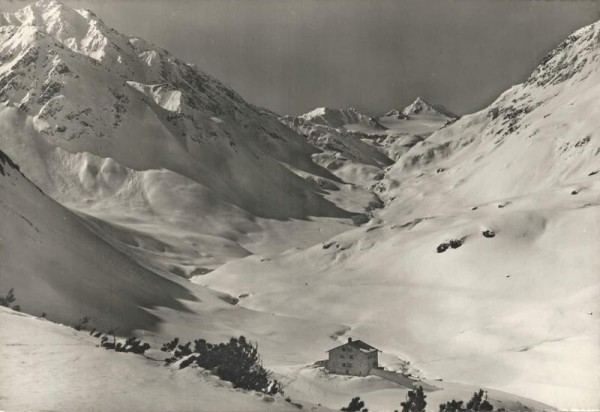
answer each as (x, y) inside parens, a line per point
(299, 205)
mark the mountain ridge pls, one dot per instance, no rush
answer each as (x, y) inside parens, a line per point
(79, 100)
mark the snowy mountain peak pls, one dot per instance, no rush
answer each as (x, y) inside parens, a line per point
(572, 57)
(422, 107)
(79, 30)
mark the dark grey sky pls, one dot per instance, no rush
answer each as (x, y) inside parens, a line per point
(292, 56)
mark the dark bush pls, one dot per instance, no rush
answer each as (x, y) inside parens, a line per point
(486, 406)
(452, 406)
(8, 299)
(415, 401)
(455, 243)
(82, 323)
(131, 344)
(479, 402)
(237, 361)
(187, 362)
(475, 401)
(355, 405)
(183, 350)
(170, 346)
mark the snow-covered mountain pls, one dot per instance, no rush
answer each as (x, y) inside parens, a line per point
(540, 134)
(482, 265)
(157, 152)
(356, 147)
(423, 108)
(475, 260)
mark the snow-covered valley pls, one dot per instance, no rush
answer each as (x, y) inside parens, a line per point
(146, 195)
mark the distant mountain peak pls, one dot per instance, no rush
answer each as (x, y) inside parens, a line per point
(421, 106)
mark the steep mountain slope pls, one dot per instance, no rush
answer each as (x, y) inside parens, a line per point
(537, 135)
(481, 267)
(125, 132)
(57, 266)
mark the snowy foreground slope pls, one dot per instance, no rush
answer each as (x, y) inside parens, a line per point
(52, 367)
(517, 308)
(47, 366)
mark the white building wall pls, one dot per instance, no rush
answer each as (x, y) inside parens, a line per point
(347, 360)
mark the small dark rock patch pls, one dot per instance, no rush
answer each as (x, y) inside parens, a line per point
(488, 233)
(443, 247)
(229, 299)
(456, 243)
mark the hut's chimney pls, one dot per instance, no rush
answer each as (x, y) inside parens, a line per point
(349, 340)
